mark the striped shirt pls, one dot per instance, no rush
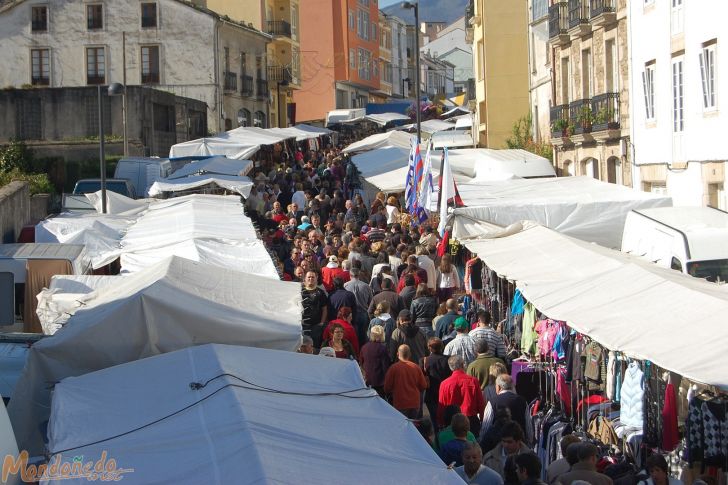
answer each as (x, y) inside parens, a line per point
(496, 342)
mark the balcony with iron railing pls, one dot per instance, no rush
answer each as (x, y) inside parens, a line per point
(559, 23)
(560, 125)
(605, 112)
(231, 81)
(580, 114)
(246, 85)
(279, 28)
(603, 12)
(279, 74)
(579, 18)
(261, 87)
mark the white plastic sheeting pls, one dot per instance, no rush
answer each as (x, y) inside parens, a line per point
(117, 203)
(213, 166)
(300, 132)
(492, 164)
(208, 228)
(99, 233)
(240, 185)
(430, 126)
(242, 434)
(581, 207)
(624, 303)
(394, 138)
(384, 118)
(175, 304)
(241, 143)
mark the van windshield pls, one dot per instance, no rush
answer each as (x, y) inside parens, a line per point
(714, 270)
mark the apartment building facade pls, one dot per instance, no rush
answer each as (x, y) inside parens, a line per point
(679, 84)
(539, 62)
(499, 34)
(400, 75)
(280, 68)
(340, 40)
(55, 43)
(590, 117)
(450, 45)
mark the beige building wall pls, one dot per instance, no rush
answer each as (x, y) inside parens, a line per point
(590, 119)
(280, 18)
(500, 58)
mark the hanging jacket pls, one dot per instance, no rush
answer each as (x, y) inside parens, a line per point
(632, 394)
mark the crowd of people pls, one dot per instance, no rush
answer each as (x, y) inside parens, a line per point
(382, 291)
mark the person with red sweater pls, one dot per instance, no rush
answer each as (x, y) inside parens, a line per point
(343, 318)
(461, 390)
(405, 382)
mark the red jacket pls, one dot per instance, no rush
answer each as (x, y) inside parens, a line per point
(405, 381)
(328, 275)
(462, 390)
(349, 333)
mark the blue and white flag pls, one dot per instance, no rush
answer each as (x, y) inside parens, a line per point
(425, 188)
(410, 189)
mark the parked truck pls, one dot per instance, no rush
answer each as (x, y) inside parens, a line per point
(692, 240)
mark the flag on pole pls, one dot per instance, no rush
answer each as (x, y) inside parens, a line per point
(426, 188)
(448, 192)
(419, 170)
(410, 191)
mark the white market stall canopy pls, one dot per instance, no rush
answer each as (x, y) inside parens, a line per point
(172, 305)
(430, 126)
(240, 143)
(383, 118)
(275, 424)
(490, 164)
(581, 207)
(394, 138)
(622, 302)
(452, 139)
(208, 228)
(213, 166)
(301, 132)
(231, 183)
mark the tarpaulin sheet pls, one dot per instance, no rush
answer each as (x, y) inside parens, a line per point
(241, 185)
(242, 434)
(581, 207)
(622, 302)
(212, 166)
(175, 304)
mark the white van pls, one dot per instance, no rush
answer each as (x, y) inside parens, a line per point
(692, 240)
(142, 172)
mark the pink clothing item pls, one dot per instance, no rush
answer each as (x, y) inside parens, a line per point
(563, 390)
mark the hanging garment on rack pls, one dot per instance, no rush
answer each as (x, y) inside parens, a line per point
(654, 402)
(670, 434)
(529, 335)
(563, 391)
(518, 303)
(534, 383)
(602, 429)
(611, 374)
(595, 370)
(632, 397)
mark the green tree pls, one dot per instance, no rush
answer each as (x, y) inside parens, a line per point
(522, 137)
(15, 155)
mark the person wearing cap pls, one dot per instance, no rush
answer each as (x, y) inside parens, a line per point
(331, 271)
(462, 344)
(407, 333)
(461, 390)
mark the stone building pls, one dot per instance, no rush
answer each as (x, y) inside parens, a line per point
(590, 116)
(172, 45)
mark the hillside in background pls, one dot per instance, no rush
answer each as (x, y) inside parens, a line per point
(431, 11)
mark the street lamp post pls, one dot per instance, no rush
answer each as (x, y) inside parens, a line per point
(283, 83)
(415, 6)
(114, 89)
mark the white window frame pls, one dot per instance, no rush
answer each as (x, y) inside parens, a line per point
(707, 58)
(352, 20)
(678, 93)
(648, 86)
(677, 17)
(47, 64)
(159, 63)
